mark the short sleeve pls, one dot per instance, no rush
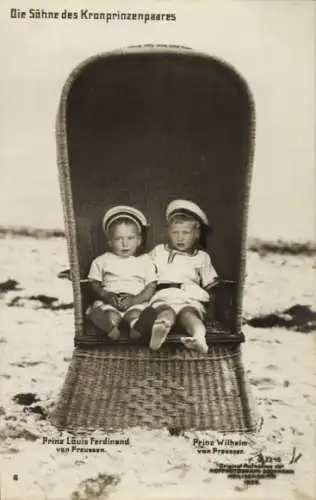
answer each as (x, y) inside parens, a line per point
(95, 272)
(150, 270)
(208, 273)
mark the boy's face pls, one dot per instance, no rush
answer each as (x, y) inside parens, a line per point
(124, 239)
(183, 234)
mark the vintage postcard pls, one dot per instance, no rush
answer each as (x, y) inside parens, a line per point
(157, 250)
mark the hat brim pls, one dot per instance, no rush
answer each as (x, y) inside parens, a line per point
(184, 211)
(186, 206)
(124, 212)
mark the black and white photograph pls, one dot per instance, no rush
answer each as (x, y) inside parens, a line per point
(157, 250)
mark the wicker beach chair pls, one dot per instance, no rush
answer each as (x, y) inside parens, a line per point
(142, 126)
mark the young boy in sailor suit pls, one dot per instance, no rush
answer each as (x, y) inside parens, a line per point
(185, 274)
(122, 281)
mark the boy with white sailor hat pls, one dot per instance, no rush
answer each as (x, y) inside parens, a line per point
(186, 207)
(185, 274)
(122, 281)
(127, 212)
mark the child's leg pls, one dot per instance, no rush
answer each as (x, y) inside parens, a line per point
(141, 321)
(131, 317)
(107, 320)
(195, 327)
(165, 320)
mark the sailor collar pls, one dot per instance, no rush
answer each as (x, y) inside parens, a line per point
(173, 252)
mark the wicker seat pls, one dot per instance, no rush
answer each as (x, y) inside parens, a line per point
(143, 126)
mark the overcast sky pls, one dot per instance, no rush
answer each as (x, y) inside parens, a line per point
(270, 42)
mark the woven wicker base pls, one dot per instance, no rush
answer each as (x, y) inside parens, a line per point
(120, 388)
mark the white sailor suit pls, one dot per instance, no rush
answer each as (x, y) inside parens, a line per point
(182, 278)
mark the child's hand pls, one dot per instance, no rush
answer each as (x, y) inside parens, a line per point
(213, 284)
(126, 301)
(111, 299)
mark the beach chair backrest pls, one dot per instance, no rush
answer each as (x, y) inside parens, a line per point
(143, 126)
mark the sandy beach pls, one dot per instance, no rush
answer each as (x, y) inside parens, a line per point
(36, 339)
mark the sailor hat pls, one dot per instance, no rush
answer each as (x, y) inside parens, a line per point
(126, 212)
(186, 207)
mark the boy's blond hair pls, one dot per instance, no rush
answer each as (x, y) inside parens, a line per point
(184, 217)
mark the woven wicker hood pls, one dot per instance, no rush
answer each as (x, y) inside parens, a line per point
(144, 126)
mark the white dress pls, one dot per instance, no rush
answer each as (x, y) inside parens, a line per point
(122, 275)
(194, 271)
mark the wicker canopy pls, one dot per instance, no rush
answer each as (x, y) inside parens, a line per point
(143, 126)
